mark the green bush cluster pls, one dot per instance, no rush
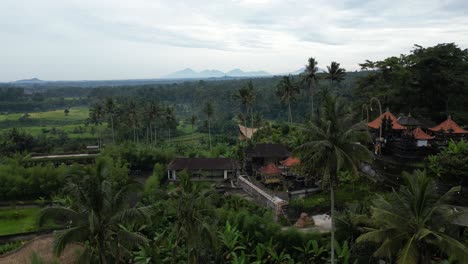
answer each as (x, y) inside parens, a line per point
(320, 203)
(10, 246)
(20, 182)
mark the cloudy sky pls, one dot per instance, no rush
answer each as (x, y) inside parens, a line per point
(117, 39)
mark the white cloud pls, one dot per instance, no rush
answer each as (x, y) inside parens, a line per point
(119, 39)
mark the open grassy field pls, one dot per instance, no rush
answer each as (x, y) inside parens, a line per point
(49, 121)
(75, 114)
(14, 221)
(188, 135)
(190, 138)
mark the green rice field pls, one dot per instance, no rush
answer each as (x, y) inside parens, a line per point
(49, 121)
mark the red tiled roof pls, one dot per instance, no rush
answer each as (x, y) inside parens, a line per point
(270, 169)
(291, 161)
(376, 123)
(418, 133)
(450, 127)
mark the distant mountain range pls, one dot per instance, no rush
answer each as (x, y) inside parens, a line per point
(32, 80)
(178, 76)
(191, 74)
(301, 70)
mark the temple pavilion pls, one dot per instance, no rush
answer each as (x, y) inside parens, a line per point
(447, 130)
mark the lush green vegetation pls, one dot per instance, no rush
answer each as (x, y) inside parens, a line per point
(10, 246)
(429, 82)
(18, 220)
(140, 128)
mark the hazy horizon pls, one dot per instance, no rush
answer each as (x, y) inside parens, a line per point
(142, 39)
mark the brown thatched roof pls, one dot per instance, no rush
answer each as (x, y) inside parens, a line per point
(246, 132)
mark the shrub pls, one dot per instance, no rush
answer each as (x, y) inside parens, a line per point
(10, 246)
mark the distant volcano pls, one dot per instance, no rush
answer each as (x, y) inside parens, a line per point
(32, 80)
(189, 73)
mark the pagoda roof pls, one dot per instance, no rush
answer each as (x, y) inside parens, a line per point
(271, 168)
(408, 121)
(419, 134)
(376, 123)
(449, 127)
(291, 161)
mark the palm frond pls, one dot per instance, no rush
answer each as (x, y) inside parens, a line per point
(72, 235)
(57, 212)
(409, 253)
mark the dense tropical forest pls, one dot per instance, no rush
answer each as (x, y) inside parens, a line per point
(115, 203)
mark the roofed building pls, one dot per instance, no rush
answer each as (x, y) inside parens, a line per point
(421, 137)
(377, 123)
(270, 174)
(246, 132)
(290, 162)
(262, 154)
(448, 130)
(204, 168)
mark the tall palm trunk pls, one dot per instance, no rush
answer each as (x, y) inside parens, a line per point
(252, 122)
(251, 118)
(245, 126)
(147, 135)
(311, 100)
(209, 133)
(113, 133)
(290, 113)
(155, 135)
(332, 215)
(150, 130)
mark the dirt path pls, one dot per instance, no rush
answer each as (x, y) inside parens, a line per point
(43, 247)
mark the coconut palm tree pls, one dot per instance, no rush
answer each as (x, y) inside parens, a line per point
(414, 223)
(309, 77)
(132, 118)
(208, 110)
(335, 73)
(96, 115)
(110, 109)
(332, 147)
(152, 112)
(246, 96)
(287, 91)
(170, 119)
(97, 218)
(193, 121)
(193, 211)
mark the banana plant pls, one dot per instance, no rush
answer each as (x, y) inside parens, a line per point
(312, 252)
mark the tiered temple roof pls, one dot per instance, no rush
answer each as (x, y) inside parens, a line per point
(449, 127)
(419, 134)
(376, 123)
(270, 169)
(290, 162)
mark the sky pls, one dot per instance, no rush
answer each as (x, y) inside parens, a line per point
(135, 39)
